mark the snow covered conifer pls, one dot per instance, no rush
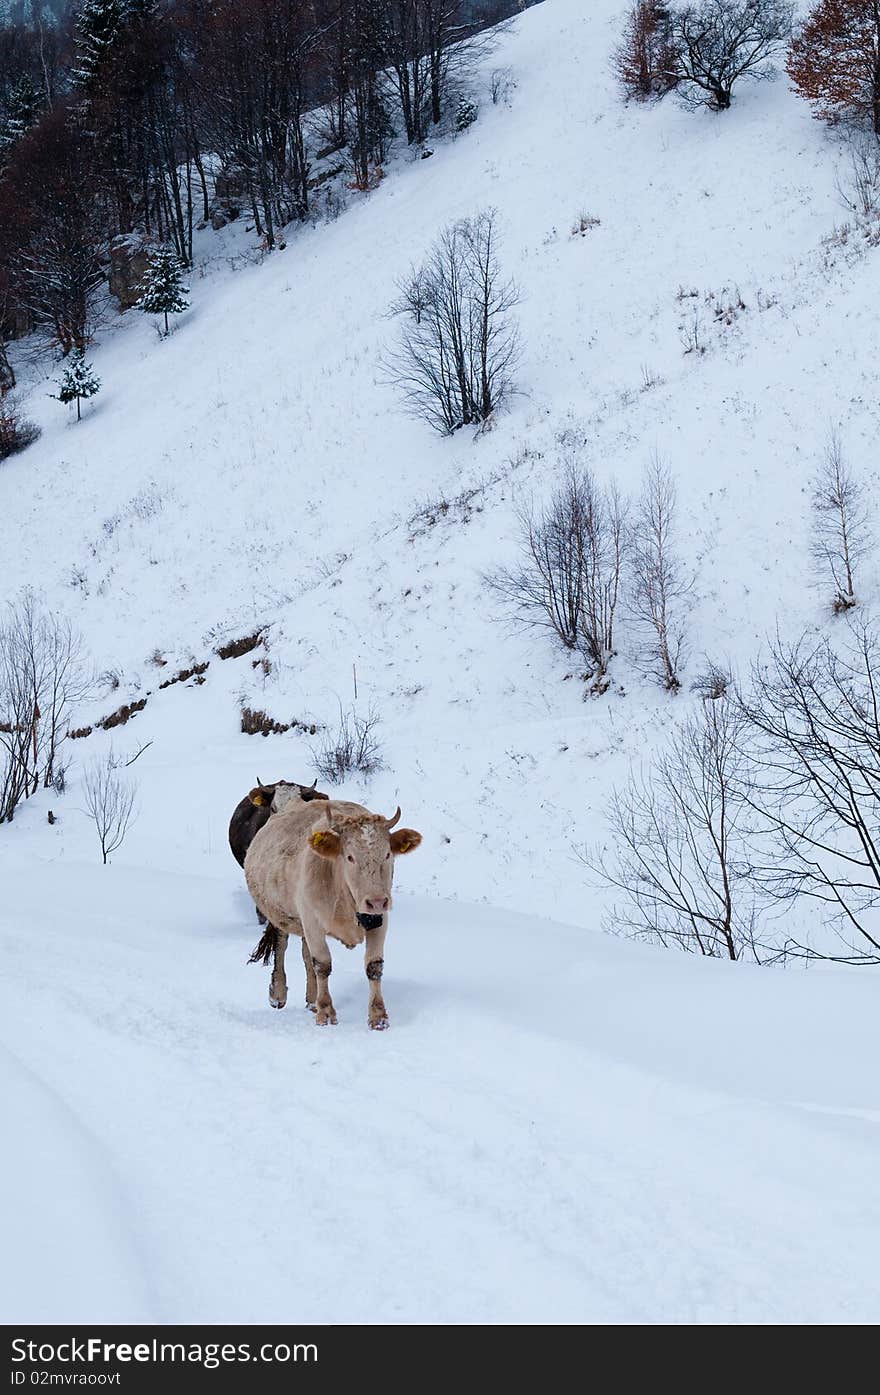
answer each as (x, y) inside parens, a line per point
(164, 292)
(98, 26)
(466, 113)
(22, 109)
(78, 381)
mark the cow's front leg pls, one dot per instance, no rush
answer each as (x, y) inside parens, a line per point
(278, 981)
(374, 963)
(311, 977)
(323, 965)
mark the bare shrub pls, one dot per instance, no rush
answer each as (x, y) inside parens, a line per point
(354, 747)
(43, 673)
(584, 223)
(690, 334)
(712, 682)
(460, 343)
(109, 799)
(569, 577)
(659, 586)
(679, 855)
(841, 530)
(860, 188)
(502, 85)
(815, 718)
(16, 433)
(644, 62)
(719, 42)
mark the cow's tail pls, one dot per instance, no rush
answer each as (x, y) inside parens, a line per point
(266, 947)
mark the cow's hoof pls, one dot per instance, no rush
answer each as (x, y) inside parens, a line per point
(380, 1024)
(311, 1007)
(276, 1003)
(325, 1019)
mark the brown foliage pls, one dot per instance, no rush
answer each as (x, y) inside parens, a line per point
(236, 647)
(834, 60)
(123, 714)
(255, 722)
(185, 673)
(644, 60)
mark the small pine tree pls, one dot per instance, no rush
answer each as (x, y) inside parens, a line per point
(164, 293)
(78, 381)
(466, 113)
(22, 110)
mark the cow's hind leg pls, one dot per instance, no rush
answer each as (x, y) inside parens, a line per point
(311, 977)
(374, 963)
(325, 1013)
(278, 981)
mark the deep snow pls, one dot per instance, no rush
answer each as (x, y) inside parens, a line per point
(558, 1125)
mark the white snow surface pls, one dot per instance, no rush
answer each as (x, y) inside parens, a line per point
(559, 1126)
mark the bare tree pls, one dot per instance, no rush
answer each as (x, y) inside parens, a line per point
(718, 42)
(460, 343)
(605, 534)
(545, 588)
(841, 532)
(659, 586)
(679, 844)
(43, 673)
(569, 576)
(815, 716)
(110, 801)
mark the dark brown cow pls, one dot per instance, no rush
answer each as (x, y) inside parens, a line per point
(254, 810)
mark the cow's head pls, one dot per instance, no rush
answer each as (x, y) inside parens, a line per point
(365, 848)
(276, 797)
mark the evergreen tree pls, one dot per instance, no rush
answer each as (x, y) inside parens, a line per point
(98, 27)
(78, 381)
(466, 113)
(164, 293)
(22, 109)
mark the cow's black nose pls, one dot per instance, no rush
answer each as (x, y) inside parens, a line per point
(369, 922)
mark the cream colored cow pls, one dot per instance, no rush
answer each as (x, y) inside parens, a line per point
(323, 871)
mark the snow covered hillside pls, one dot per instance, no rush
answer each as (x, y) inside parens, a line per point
(569, 1127)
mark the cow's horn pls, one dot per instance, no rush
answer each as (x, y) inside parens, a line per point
(313, 786)
(262, 786)
(395, 818)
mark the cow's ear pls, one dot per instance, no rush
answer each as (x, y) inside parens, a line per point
(403, 840)
(325, 842)
(258, 797)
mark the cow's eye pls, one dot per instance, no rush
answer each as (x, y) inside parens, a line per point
(387, 855)
(350, 858)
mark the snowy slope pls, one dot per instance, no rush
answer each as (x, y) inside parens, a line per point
(256, 468)
(557, 1128)
(557, 1125)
